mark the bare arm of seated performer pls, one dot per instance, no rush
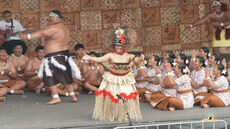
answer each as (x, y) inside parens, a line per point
(195, 85)
(228, 78)
(11, 71)
(29, 72)
(210, 82)
(171, 81)
(158, 79)
(2, 86)
(192, 61)
(101, 69)
(86, 71)
(141, 72)
(168, 77)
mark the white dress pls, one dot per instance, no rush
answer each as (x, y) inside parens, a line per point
(199, 77)
(170, 92)
(152, 74)
(183, 83)
(222, 84)
(142, 84)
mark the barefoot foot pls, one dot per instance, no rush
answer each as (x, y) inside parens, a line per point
(18, 92)
(74, 98)
(77, 94)
(90, 92)
(37, 90)
(205, 106)
(2, 99)
(171, 109)
(54, 101)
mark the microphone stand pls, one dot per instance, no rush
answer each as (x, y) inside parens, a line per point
(127, 113)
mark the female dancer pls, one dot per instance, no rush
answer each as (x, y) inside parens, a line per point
(117, 82)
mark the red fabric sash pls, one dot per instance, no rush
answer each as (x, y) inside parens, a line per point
(118, 74)
(105, 93)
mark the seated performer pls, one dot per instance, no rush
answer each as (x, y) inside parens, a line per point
(167, 90)
(139, 56)
(141, 79)
(168, 54)
(31, 70)
(221, 91)
(205, 53)
(153, 81)
(79, 51)
(184, 98)
(19, 60)
(93, 74)
(198, 80)
(8, 76)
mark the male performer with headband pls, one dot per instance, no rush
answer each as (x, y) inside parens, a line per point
(57, 67)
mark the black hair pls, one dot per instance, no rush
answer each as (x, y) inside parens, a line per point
(182, 66)
(2, 48)
(157, 59)
(78, 46)
(183, 57)
(73, 55)
(22, 44)
(6, 11)
(189, 58)
(202, 61)
(217, 59)
(171, 54)
(222, 68)
(58, 13)
(170, 61)
(93, 53)
(17, 44)
(39, 47)
(206, 50)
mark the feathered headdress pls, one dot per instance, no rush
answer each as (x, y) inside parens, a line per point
(120, 33)
(120, 37)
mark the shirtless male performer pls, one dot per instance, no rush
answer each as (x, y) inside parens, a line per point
(79, 51)
(219, 18)
(34, 83)
(8, 75)
(92, 73)
(57, 67)
(19, 60)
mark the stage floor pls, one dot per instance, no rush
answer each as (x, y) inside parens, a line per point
(29, 111)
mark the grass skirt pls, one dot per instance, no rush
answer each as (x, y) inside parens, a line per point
(109, 107)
